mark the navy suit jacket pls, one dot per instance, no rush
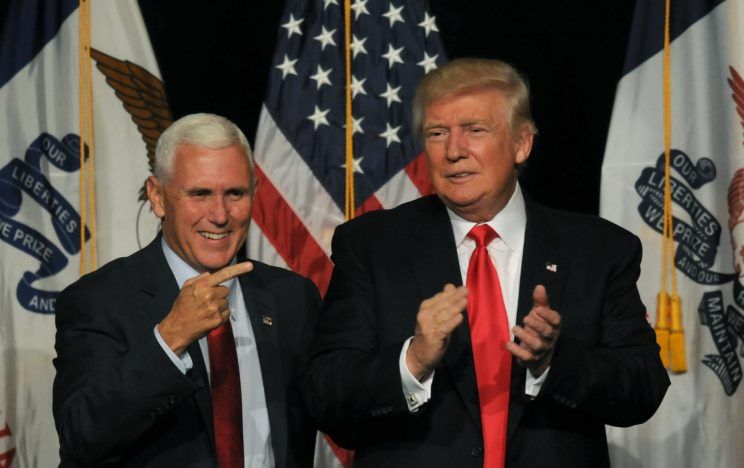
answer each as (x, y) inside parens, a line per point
(120, 401)
(605, 370)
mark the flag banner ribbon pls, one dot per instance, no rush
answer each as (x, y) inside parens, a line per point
(698, 242)
(26, 176)
(725, 329)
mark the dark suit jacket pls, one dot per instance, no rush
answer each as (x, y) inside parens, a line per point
(120, 401)
(605, 370)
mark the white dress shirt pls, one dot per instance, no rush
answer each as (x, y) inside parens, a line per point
(506, 253)
(256, 434)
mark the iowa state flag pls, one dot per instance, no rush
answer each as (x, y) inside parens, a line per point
(701, 421)
(40, 218)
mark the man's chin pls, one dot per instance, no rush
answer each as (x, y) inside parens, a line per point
(215, 263)
(472, 210)
(460, 206)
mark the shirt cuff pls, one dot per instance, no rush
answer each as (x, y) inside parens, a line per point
(416, 393)
(532, 384)
(184, 363)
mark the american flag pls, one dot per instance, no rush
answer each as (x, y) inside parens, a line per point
(300, 142)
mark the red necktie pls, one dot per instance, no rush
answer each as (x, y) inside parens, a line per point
(489, 332)
(226, 405)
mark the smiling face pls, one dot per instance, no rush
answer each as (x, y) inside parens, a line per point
(205, 204)
(472, 152)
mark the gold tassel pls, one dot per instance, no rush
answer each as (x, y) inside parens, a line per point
(662, 326)
(677, 338)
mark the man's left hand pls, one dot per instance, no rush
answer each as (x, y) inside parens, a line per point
(538, 336)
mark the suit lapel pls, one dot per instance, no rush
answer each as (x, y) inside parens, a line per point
(433, 258)
(542, 263)
(265, 322)
(158, 290)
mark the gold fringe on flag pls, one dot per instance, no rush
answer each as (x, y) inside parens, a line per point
(670, 334)
(349, 192)
(662, 326)
(87, 166)
(678, 363)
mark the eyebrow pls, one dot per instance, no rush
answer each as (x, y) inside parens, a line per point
(471, 122)
(464, 123)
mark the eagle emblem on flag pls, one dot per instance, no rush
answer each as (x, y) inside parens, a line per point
(143, 96)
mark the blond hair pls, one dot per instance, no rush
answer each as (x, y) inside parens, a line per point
(467, 75)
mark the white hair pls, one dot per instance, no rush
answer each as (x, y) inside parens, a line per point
(206, 130)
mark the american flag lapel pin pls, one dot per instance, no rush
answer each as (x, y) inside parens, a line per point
(266, 320)
(551, 267)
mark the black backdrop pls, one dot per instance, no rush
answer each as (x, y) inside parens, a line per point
(215, 57)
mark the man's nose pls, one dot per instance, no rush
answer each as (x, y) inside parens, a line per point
(218, 210)
(455, 146)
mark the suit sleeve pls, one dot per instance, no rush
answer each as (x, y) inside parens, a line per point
(620, 380)
(352, 384)
(113, 382)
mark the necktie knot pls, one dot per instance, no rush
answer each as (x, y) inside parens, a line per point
(482, 234)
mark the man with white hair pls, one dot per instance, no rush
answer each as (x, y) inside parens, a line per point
(184, 354)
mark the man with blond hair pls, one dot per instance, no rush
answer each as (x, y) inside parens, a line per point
(184, 354)
(475, 327)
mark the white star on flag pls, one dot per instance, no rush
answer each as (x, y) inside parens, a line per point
(394, 14)
(287, 67)
(321, 77)
(360, 8)
(428, 24)
(357, 86)
(390, 134)
(319, 117)
(293, 26)
(357, 46)
(325, 37)
(393, 55)
(429, 63)
(356, 125)
(391, 94)
(357, 165)
(327, 3)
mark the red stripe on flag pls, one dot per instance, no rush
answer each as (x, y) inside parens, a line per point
(370, 204)
(418, 172)
(289, 236)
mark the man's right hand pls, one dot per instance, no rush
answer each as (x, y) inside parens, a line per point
(437, 318)
(200, 307)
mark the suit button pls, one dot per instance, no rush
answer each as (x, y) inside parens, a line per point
(476, 451)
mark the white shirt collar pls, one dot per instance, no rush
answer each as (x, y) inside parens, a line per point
(509, 223)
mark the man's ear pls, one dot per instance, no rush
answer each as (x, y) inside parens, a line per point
(254, 182)
(524, 144)
(156, 195)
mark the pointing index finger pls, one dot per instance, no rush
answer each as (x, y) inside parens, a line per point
(228, 273)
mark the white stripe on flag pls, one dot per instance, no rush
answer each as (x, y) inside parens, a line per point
(399, 189)
(260, 248)
(293, 179)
